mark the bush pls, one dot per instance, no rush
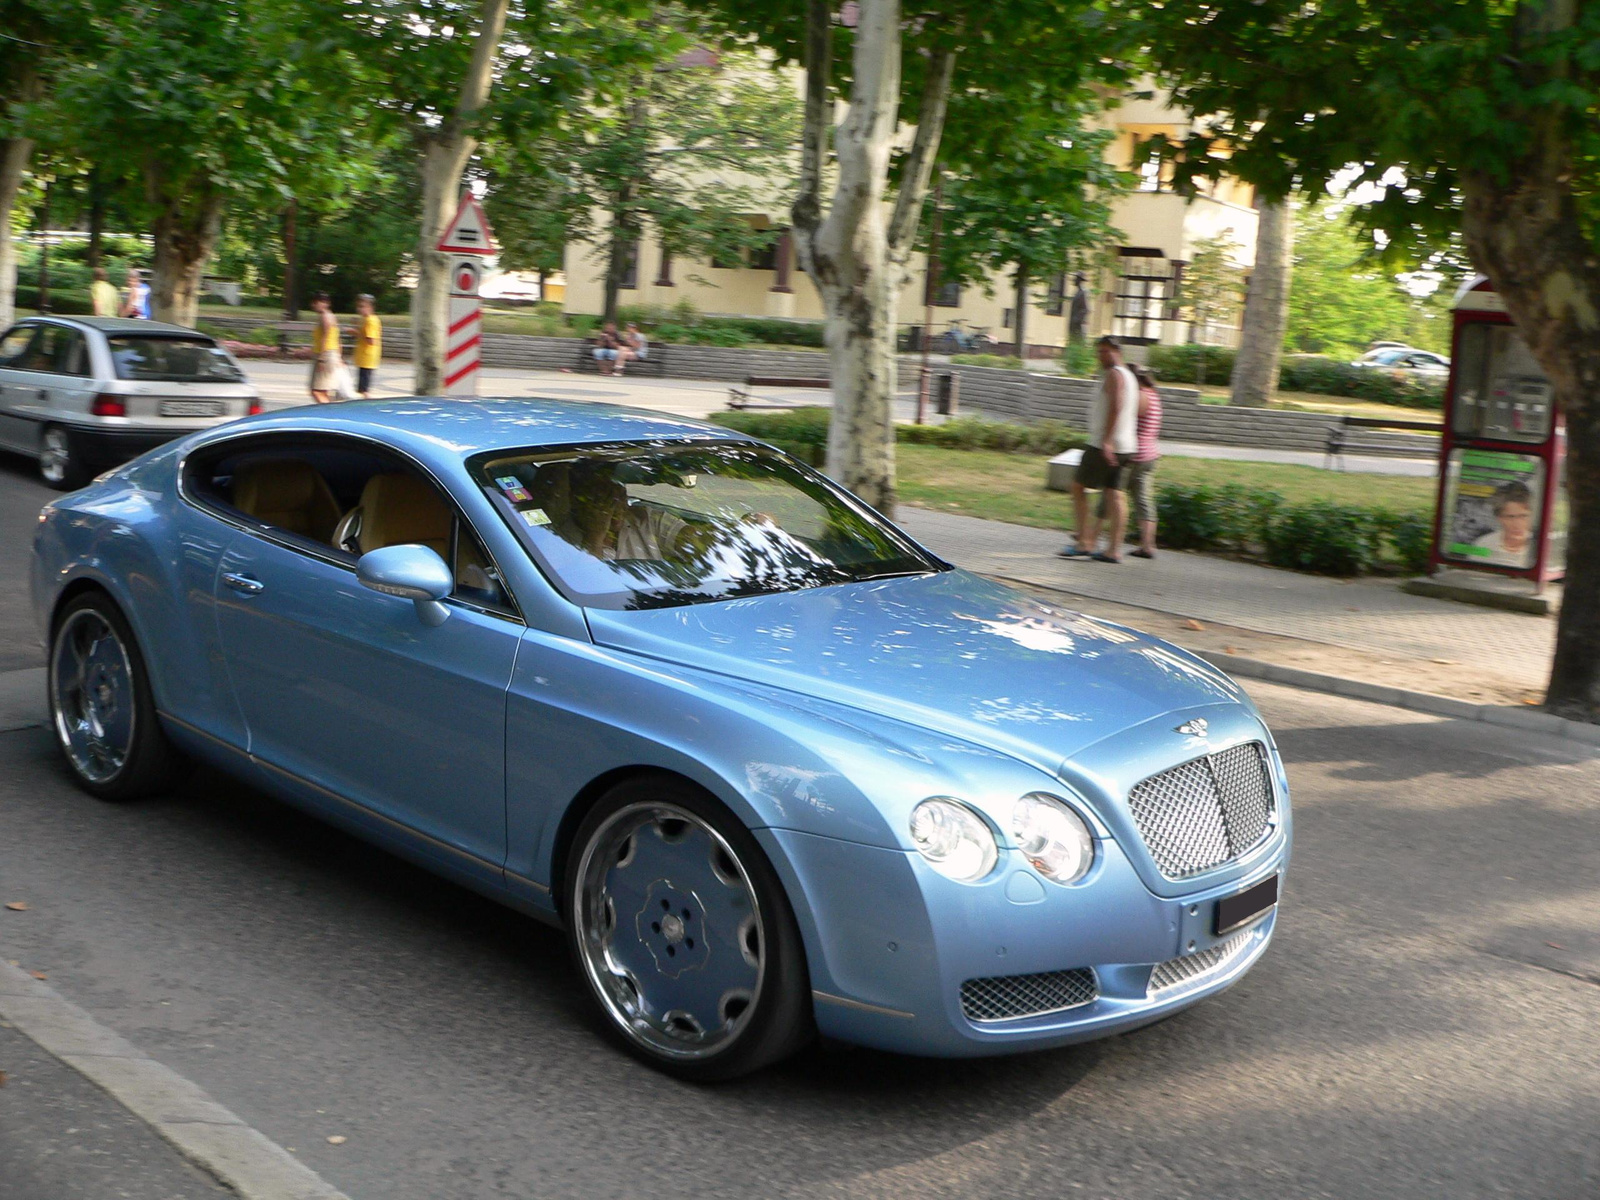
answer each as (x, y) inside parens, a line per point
(1079, 361)
(73, 303)
(1320, 536)
(1326, 538)
(1179, 366)
(683, 323)
(1182, 366)
(810, 426)
(1008, 362)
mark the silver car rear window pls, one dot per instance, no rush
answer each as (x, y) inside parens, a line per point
(172, 359)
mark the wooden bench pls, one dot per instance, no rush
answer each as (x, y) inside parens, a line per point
(743, 395)
(654, 362)
(1339, 440)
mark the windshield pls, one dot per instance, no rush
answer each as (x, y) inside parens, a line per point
(172, 359)
(649, 525)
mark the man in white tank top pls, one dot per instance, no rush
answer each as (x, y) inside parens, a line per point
(1107, 459)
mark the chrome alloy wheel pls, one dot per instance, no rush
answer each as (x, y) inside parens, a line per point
(669, 930)
(92, 695)
(55, 456)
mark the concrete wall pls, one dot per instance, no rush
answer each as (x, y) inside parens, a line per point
(1024, 396)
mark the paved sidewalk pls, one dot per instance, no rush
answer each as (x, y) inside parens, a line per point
(1364, 616)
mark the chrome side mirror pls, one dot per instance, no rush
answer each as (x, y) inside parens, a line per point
(413, 573)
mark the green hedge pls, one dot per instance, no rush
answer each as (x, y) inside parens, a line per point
(68, 303)
(809, 427)
(685, 325)
(1181, 365)
(1008, 362)
(1320, 536)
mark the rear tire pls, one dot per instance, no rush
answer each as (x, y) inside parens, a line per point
(101, 706)
(683, 934)
(60, 462)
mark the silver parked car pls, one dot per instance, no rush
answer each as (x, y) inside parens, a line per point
(1407, 359)
(84, 393)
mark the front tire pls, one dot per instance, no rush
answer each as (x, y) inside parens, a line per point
(683, 933)
(101, 706)
(60, 463)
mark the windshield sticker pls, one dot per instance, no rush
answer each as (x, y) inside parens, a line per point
(534, 516)
(512, 487)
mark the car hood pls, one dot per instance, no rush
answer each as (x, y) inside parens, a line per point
(949, 651)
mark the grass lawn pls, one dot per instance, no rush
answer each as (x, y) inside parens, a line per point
(1010, 487)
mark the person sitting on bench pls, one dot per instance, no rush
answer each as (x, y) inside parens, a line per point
(608, 349)
(635, 343)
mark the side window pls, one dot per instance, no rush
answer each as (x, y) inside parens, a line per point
(41, 352)
(342, 500)
(14, 343)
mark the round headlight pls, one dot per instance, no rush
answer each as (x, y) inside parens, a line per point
(1052, 837)
(954, 839)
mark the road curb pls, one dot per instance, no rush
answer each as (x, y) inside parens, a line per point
(200, 1129)
(1423, 702)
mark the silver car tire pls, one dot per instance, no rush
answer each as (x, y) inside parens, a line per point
(683, 934)
(101, 707)
(60, 465)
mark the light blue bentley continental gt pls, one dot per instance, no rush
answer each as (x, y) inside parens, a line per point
(775, 768)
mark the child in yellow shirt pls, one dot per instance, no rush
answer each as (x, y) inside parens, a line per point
(369, 344)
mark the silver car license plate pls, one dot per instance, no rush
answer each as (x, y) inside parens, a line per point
(191, 408)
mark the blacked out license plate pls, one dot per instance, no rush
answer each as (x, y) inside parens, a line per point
(1241, 909)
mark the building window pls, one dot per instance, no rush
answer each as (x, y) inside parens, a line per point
(1055, 298)
(727, 262)
(630, 268)
(765, 258)
(1150, 174)
(941, 292)
(1145, 288)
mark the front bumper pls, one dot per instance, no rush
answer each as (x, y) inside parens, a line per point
(890, 943)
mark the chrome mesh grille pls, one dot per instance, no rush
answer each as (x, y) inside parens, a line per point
(1177, 971)
(1004, 997)
(1205, 811)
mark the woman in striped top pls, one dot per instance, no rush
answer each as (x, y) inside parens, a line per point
(1143, 482)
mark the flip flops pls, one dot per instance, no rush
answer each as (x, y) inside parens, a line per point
(1102, 556)
(1073, 552)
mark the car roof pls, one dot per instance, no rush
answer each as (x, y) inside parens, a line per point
(443, 431)
(120, 325)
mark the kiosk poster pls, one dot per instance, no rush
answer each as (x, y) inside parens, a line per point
(1495, 516)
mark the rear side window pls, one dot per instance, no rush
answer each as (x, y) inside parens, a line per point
(14, 343)
(171, 359)
(56, 350)
(338, 500)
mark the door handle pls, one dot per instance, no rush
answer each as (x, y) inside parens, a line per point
(243, 584)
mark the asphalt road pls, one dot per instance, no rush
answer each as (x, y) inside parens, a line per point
(1427, 1022)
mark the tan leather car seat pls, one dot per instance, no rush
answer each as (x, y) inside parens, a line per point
(401, 510)
(288, 494)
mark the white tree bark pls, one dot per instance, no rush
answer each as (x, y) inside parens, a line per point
(185, 234)
(1266, 309)
(14, 154)
(856, 254)
(445, 154)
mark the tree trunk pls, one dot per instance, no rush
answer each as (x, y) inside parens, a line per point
(14, 154)
(1022, 314)
(622, 241)
(291, 261)
(446, 152)
(186, 230)
(1266, 310)
(855, 257)
(1525, 234)
(97, 219)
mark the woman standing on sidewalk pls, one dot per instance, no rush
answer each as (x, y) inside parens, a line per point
(1142, 484)
(326, 361)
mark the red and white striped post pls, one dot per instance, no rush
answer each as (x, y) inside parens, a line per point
(464, 336)
(468, 237)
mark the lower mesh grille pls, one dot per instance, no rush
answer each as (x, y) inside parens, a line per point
(1004, 997)
(1178, 971)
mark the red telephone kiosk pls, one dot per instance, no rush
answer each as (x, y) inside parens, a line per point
(1501, 456)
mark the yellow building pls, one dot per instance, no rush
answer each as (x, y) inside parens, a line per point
(1133, 298)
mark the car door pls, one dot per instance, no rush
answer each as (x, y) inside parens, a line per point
(16, 431)
(350, 699)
